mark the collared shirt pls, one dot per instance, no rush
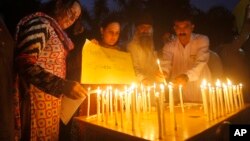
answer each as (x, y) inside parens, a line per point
(191, 59)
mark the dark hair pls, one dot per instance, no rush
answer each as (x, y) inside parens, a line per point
(184, 14)
(113, 17)
(55, 7)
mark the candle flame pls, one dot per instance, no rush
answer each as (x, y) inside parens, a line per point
(218, 83)
(158, 61)
(161, 86)
(157, 94)
(204, 83)
(229, 82)
(170, 85)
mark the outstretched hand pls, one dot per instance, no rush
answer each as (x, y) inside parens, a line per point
(181, 79)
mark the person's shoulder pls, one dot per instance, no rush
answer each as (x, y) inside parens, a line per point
(200, 37)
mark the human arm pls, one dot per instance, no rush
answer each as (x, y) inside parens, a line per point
(31, 40)
(201, 57)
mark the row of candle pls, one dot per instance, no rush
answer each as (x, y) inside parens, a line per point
(221, 99)
(131, 102)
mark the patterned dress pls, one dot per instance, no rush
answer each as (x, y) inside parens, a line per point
(40, 56)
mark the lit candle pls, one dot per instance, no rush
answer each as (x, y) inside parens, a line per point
(133, 95)
(107, 104)
(204, 97)
(214, 103)
(171, 98)
(230, 94)
(121, 109)
(241, 94)
(103, 101)
(149, 99)
(238, 94)
(98, 102)
(88, 101)
(235, 96)
(115, 100)
(162, 108)
(159, 115)
(181, 99)
(111, 100)
(227, 106)
(171, 101)
(220, 98)
(211, 112)
(126, 97)
(136, 99)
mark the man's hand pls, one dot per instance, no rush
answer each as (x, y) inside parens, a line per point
(160, 77)
(75, 90)
(181, 79)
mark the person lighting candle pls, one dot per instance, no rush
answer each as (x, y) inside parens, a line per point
(184, 59)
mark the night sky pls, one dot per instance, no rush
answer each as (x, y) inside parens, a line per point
(204, 5)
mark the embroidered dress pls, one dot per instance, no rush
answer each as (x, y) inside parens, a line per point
(42, 47)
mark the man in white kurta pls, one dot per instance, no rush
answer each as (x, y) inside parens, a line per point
(185, 58)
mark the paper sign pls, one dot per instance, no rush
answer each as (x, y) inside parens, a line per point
(106, 66)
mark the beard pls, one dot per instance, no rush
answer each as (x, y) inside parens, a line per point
(146, 41)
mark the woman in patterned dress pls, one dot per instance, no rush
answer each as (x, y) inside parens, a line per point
(40, 56)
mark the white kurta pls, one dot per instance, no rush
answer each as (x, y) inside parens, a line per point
(190, 60)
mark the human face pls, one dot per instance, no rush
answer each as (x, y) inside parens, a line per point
(110, 33)
(145, 29)
(183, 30)
(70, 16)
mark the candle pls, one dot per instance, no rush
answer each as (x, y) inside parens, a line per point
(214, 104)
(220, 98)
(171, 98)
(103, 101)
(159, 115)
(133, 107)
(136, 99)
(241, 94)
(204, 98)
(149, 99)
(107, 105)
(230, 94)
(181, 99)
(239, 91)
(121, 109)
(162, 108)
(211, 112)
(171, 103)
(227, 106)
(160, 69)
(238, 94)
(235, 96)
(115, 100)
(88, 94)
(111, 100)
(98, 102)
